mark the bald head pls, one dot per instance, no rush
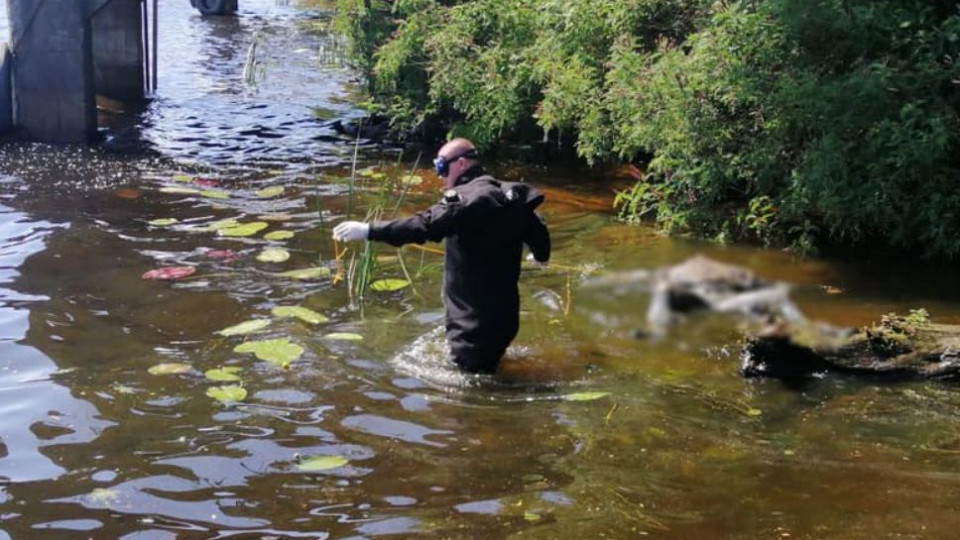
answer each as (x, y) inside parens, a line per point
(456, 147)
(460, 155)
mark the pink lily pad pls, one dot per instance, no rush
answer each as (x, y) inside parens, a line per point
(169, 273)
(226, 254)
(206, 182)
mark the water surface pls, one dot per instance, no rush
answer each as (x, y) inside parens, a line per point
(679, 446)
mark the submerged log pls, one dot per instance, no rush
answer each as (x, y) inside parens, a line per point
(898, 349)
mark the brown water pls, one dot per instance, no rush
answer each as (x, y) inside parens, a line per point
(94, 446)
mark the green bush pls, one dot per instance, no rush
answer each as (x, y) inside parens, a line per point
(789, 122)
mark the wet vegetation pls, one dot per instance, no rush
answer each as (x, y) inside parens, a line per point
(784, 122)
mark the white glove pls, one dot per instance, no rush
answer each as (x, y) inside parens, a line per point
(351, 231)
(533, 260)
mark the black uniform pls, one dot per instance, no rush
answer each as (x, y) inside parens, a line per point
(485, 223)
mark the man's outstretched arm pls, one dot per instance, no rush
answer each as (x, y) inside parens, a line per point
(432, 224)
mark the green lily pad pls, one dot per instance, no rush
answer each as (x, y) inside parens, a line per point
(531, 516)
(215, 194)
(244, 328)
(274, 255)
(247, 229)
(163, 222)
(227, 394)
(224, 374)
(307, 273)
(169, 368)
(302, 313)
(279, 235)
(177, 190)
(585, 396)
(344, 336)
(372, 173)
(269, 192)
(388, 285)
(411, 180)
(224, 224)
(279, 352)
(322, 463)
(754, 412)
(182, 178)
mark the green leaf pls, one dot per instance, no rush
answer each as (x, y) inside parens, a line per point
(177, 190)
(247, 229)
(411, 180)
(163, 222)
(274, 255)
(279, 235)
(531, 516)
(344, 336)
(389, 285)
(225, 374)
(269, 192)
(279, 352)
(170, 368)
(224, 224)
(307, 273)
(227, 394)
(215, 194)
(182, 178)
(302, 313)
(754, 412)
(244, 328)
(322, 463)
(585, 396)
(372, 173)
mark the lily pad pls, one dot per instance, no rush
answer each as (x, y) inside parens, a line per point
(224, 224)
(169, 368)
(279, 235)
(307, 273)
(225, 374)
(388, 285)
(127, 193)
(177, 190)
(169, 273)
(344, 336)
(274, 217)
(227, 394)
(372, 173)
(182, 178)
(244, 328)
(227, 254)
(585, 396)
(269, 192)
(754, 412)
(279, 352)
(322, 463)
(215, 194)
(302, 313)
(163, 222)
(247, 229)
(274, 255)
(411, 180)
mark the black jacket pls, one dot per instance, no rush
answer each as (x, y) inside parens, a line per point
(485, 223)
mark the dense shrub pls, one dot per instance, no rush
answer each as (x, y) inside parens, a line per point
(788, 121)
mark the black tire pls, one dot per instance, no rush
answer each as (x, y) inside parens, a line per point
(215, 7)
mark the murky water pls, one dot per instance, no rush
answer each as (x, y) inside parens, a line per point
(94, 445)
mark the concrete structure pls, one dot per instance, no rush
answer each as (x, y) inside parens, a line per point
(6, 93)
(67, 52)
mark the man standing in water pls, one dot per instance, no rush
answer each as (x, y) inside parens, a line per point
(485, 223)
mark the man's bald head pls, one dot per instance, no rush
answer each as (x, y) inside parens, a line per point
(460, 155)
(456, 147)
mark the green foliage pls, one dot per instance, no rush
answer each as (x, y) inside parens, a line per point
(786, 122)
